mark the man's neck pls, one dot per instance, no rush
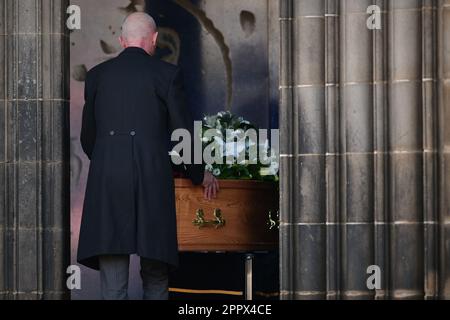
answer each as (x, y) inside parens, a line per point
(137, 45)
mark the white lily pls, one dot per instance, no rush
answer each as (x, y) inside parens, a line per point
(233, 149)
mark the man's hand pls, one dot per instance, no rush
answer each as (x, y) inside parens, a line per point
(211, 185)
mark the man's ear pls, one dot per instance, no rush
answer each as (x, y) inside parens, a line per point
(122, 42)
(155, 38)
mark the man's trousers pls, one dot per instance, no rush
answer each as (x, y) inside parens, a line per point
(114, 271)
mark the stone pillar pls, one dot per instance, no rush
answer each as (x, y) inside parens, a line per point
(443, 97)
(34, 149)
(363, 149)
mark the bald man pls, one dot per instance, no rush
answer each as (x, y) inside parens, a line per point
(132, 104)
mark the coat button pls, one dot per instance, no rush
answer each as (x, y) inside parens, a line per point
(132, 133)
(111, 133)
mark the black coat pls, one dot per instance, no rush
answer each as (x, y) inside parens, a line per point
(132, 104)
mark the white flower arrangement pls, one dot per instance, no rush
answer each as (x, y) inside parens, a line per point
(245, 163)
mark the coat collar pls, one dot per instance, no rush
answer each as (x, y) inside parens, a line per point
(134, 50)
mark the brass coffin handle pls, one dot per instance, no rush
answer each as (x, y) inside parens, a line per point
(201, 222)
(274, 222)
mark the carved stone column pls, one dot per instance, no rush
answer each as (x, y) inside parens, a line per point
(34, 149)
(364, 174)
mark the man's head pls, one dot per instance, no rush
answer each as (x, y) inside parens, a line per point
(139, 30)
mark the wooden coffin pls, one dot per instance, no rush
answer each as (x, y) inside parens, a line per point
(241, 224)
